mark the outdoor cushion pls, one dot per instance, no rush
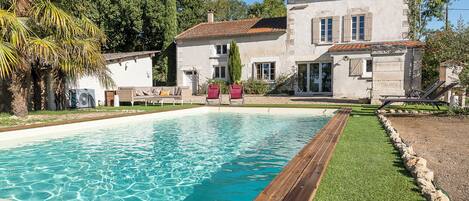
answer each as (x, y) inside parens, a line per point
(165, 93)
(139, 92)
(147, 92)
(236, 92)
(213, 92)
(156, 91)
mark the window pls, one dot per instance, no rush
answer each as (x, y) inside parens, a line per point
(221, 49)
(358, 27)
(368, 68)
(265, 71)
(326, 29)
(219, 72)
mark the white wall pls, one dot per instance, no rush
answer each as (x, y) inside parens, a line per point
(346, 86)
(130, 72)
(200, 54)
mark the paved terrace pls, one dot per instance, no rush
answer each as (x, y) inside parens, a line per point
(257, 99)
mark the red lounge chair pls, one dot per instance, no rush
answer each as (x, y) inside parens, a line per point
(213, 93)
(236, 93)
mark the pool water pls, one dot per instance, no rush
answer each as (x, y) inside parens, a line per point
(213, 156)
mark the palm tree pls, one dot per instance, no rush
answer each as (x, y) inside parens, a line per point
(48, 40)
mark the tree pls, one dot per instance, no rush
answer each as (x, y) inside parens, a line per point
(226, 10)
(65, 46)
(234, 63)
(268, 8)
(448, 46)
(191, 12)
(421, 12)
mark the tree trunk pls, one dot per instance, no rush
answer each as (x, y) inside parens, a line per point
(39, 94)
(51, 105)
(22, 7)
(19, 89)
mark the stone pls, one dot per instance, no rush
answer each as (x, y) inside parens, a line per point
(392, 111)
(440, 196)
(421, 162)
(410, 150)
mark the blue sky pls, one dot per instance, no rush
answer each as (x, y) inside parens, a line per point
(454, 15)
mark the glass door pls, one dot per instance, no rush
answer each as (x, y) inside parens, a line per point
(326, 78)
(315, 77)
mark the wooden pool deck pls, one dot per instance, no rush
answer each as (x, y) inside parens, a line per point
(300, 178)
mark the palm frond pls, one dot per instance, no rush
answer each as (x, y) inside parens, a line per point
(8, 59)
(91, 30)
(51, 17)
(83, 58)
(13, 29)
(43, 50)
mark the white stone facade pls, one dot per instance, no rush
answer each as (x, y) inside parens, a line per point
(300, 53)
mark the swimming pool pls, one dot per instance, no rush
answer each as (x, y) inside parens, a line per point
(200, 156)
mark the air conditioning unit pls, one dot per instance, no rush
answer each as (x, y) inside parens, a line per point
(82, 98)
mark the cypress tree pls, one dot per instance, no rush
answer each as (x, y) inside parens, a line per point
(234, 63)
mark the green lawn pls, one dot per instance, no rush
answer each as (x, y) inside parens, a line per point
(34, 117)
(365, 165)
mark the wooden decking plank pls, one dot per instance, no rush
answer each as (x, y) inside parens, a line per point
(312, 174)
(300, 178)
(294, 164)
(289, 177)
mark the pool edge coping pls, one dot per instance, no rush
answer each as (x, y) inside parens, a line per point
(18, 137)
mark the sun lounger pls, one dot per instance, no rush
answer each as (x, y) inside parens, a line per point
(236, 93)
(432, 98)
(416, 93)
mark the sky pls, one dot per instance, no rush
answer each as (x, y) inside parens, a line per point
(454, 15)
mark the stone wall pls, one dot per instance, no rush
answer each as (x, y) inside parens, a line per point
(416, 165)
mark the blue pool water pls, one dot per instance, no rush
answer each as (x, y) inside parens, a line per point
(214, 156)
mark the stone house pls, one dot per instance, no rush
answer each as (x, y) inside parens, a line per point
(342, 48)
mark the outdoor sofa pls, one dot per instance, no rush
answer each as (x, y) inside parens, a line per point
(153, 94)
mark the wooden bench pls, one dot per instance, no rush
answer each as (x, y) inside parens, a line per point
(300, 178)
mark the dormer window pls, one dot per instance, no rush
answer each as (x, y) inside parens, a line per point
(358, 27)
(221, 49)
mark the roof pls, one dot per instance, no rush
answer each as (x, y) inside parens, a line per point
(368, 46)
(123, 55)
(235, 28)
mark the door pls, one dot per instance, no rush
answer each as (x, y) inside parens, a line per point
(315, 78)
(191, 80)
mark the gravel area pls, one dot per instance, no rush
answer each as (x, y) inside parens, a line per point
(444, 142)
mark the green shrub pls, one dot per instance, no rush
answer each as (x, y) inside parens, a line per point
(253, 86)
(223, 84)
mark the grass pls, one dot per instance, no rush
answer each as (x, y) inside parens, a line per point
(365, 165)
(43, 117)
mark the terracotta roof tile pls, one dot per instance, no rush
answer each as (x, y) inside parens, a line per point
(235, 28)
(368, 46)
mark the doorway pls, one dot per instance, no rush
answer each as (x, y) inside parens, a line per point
(315, 78)
(191, 79)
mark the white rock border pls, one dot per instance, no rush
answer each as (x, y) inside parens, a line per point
(416, 165)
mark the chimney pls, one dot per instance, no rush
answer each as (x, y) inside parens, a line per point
(210, 16)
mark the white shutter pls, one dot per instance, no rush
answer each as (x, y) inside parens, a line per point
(347, 28)
(368, 26)
(336, 29)
(315, 29)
